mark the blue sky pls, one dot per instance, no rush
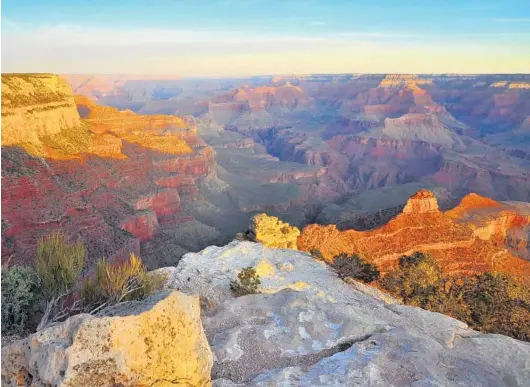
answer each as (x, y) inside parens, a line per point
(243, 37)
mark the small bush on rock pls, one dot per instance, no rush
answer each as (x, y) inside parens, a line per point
(355, 267)
(59, 264)
(247, 282)
(114, 283)
(59, 267)
(21, 297)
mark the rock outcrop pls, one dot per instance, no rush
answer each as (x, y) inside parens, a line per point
(39, 112)
(307, 328)
(505, 224)
(421, 202)
(416, 126)
(156, 342)
(462, 241)
(272, 232)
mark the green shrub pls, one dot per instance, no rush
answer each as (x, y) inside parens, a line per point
(490, 302)
(498, 303)
(355, 267)
(417, 280)
(114, 283)
(21, 297)
(59, 264)
(247, 282)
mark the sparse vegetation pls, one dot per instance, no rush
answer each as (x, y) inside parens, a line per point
(59, 267)
(498, 303)
(247, 282)
(355, 267)
(21, 299)
(59, 270)
(417, 280)
(114, 283)
(59, 264)
(490, 302)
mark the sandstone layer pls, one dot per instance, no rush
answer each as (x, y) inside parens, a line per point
(156, 342)
(38, 113)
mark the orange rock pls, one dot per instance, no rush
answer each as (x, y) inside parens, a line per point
(40, 114)
(157, 132)
(457, 241)
(422, 201)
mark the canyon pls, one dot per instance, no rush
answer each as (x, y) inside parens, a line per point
(161, 166)
(189, 174)
(112, 178)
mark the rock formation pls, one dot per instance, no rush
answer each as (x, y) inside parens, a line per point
(505, 224)
(156, 342)
(113, 178)
(472, 238)
(38, 111)
(307, 327)
(272, 232)
(424, 127)
(421, 202)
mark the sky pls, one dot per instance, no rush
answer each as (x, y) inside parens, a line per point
(218, 38)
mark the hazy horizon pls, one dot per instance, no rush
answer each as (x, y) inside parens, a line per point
(237, 38)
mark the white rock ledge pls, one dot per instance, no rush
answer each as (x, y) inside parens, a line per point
(309, 328)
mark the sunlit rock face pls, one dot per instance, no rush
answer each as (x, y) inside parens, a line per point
(421, 202)
(308, 327)
(114, 179)
(505, 224)
(478, 235)
(38, 112)
(159, 341)
(272, 232)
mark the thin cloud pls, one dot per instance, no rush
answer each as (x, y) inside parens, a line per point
(318, 23)
(61, 35)
(513, 20)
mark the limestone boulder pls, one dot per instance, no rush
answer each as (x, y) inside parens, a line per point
(156, 342)
(272, 232)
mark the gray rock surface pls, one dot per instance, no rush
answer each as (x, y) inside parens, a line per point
(309, 328)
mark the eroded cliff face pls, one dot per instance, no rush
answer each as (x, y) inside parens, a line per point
(38, 113)
(113, 178)
(505, 224)
(474, 237)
